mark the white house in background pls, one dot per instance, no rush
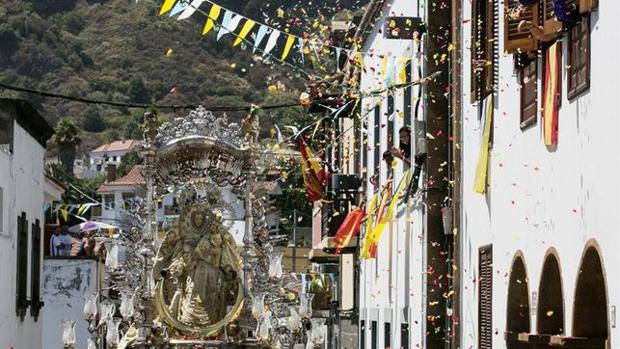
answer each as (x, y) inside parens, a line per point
(119, 195)
(392, 312)
(23, 135)
(540, 246)
(105, 155)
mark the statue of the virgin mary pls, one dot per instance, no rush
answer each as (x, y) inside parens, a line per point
(198, 269)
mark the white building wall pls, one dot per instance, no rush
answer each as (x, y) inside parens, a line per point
(22, 181)
(391, 285)
(66, 282)
(540, 198)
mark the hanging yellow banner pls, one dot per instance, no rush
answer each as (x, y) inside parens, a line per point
(480, 182)
(365, 252)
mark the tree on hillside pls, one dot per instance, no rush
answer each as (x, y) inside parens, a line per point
(128, 161)
(67, 138)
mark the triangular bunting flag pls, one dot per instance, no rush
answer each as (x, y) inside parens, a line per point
(260, 35)
(191, 9)
(300, 43)
(247, 26)
(229, 24)
(290, 40)
(167, 6)
(178, 8)
(337, 58)
(271, 42)
(214, 14)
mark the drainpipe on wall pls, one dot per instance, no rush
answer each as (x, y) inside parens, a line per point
(456, 92)
(438, 244)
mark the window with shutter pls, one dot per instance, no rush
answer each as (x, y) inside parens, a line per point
(390, 118)
(484, 54)
(528, 77)
(514, 40)
(579, 58)
(374, 343)
(35, 271)
(404, 336)
(485, 298)
(362, 334)
(21, 290)
(387, 335)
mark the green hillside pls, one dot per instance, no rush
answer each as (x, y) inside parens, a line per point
(116, 50)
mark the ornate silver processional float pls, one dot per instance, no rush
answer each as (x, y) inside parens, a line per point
(189, 285)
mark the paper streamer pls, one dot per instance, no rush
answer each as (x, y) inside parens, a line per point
(480, 181)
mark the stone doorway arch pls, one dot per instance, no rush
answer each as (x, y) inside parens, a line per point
(518, 305)
(550, 311)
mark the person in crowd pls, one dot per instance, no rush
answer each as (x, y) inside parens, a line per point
(55, 241)
(403, 152)
(60, 244)
(87, 244)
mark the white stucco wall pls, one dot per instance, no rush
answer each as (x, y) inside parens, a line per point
(541, 199)
(22, 180)
(391, 285)
(65, 284)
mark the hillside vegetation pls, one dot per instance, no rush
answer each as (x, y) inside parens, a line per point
(116, 50)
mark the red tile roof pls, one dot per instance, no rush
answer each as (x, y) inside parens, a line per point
(133, 178)
(123, 145)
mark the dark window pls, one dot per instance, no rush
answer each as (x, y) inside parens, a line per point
(528, 78)
(373, 335)
(579, 58)
(485, 298)
(484, 48)
(21, 299)
(362, 334)
(377, 139)
(1, 210)
(364, 149)
(387, 335)
(35, 271)
(404, 336)
(408, 94)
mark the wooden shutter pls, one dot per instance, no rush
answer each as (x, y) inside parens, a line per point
(390, 119)
(35, 271)
(579, 58)
(484, 55)
(528, 77)
(485, 298)
(515, 41)
(408, 93)
(377, 140)
(21, 291)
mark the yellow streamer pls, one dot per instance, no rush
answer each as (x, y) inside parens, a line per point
(249, 24)
(480, 182)
(378, 232)
(167, 6)
(287, 48)
(214, 13)
(365, 253)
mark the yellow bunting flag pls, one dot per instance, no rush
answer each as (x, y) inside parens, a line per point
(249, 24)
(287, 48)
(167, 6)
(365, 253)
(65, 214)
(214, 13)
(387, 217)
(480, 182)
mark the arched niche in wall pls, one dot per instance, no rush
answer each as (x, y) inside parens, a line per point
(590, 307)
(518, 305)
(550, 312)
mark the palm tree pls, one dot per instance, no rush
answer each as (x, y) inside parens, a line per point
(66, 137)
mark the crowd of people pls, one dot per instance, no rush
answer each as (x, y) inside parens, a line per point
(66, 244)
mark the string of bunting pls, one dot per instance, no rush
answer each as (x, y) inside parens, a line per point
(263, 37)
